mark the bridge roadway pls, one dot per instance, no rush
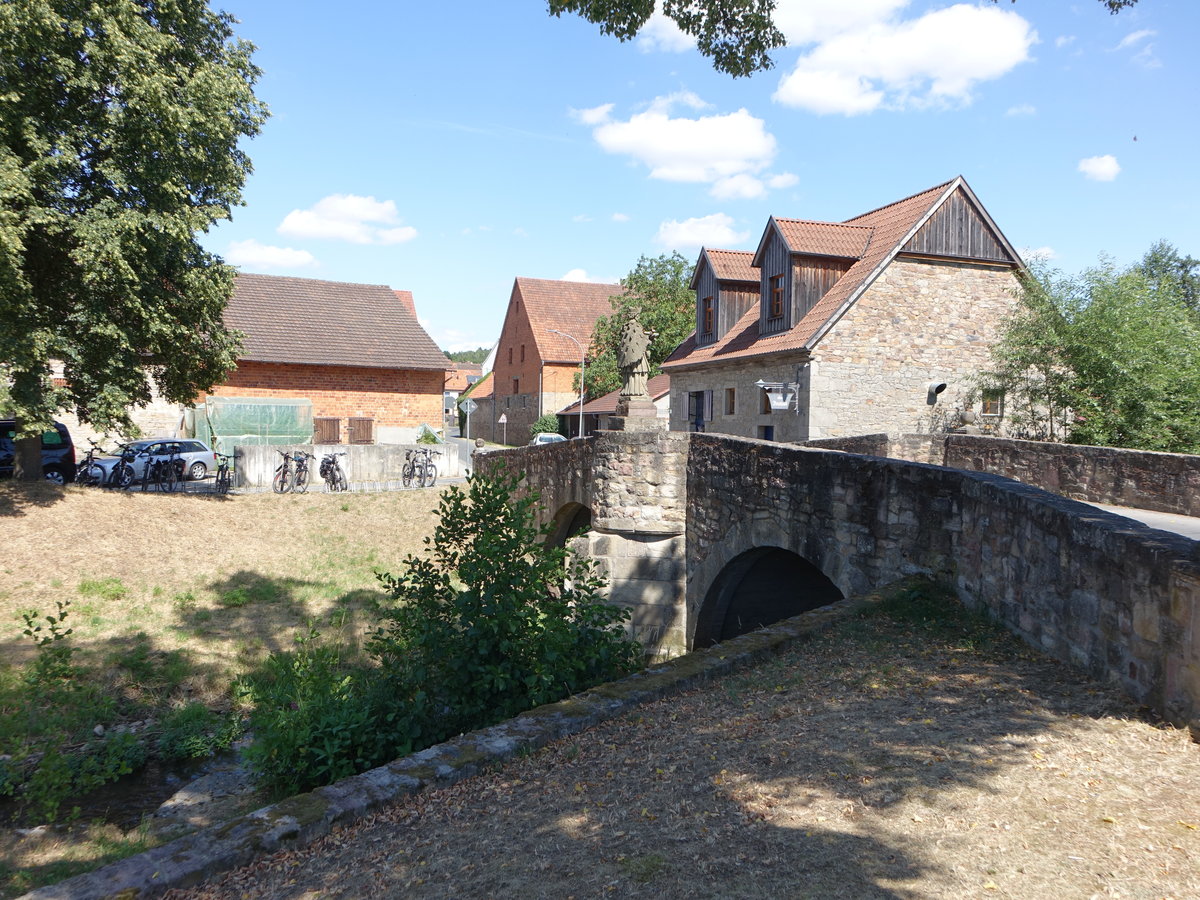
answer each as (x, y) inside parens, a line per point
(1188, 526)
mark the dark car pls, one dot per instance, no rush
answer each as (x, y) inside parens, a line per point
(58, 452)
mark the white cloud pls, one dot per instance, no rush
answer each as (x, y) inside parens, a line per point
(783, 180)
(520, 232)
(1100, 168)
(1034, 253)
(809, 21)
(1064, 40)
(348, 217)
(715, 230)
(661, 33)
(620, 217)
(703, 149)
(1130, 39)
(582, 217)
(934, 60)
(593, 116)
(576, 275)
(253, 255)
(738, 187)
(1024, 109)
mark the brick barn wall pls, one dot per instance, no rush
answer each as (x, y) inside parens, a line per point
(402, 398)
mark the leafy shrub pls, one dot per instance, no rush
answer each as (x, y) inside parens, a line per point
(60, 775)
(491, 622)
(317, 719)
(52, 666)
(494, 620)
(195, 731)
(547, 423)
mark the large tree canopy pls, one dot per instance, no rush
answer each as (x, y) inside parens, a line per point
(119, 130)
(657, 294)
(737, 35)
(1110, 357)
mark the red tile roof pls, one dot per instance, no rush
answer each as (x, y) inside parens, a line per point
(569, 306)
(732, 265)
(456, 378)
(305, 321)
(480, 390)
(656, 387)
(824, 238)
(889, 227)
(406, 298)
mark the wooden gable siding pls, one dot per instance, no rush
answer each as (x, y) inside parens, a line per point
(813, 276)
(776, 260)
(733, 305)
(707, 286)
(957, 230)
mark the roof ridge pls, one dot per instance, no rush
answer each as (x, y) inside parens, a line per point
(566, 281)
(819, 222)
(320, 280)
(913, 196)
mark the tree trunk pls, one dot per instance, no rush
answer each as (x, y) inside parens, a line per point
(27, 457)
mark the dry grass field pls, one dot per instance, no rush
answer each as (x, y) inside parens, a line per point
(226, 579)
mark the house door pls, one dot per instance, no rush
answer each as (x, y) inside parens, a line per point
(699, 409)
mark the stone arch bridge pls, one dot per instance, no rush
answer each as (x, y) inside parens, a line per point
(705, 537)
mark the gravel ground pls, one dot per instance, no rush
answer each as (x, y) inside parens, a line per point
(889, 758)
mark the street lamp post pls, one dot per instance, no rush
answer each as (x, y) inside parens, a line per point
(582, 360)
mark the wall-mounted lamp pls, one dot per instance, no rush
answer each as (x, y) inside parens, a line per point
(935, 388)
(779, 393)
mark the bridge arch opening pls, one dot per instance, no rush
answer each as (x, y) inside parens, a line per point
(760, 587)
(571, 521)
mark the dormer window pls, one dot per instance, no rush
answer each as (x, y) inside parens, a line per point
(706, 316)
(776, 307)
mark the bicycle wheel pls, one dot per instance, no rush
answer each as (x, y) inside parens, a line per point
(407, 473)
(221, 484)
(170, 477)
(122, 476)
(300, 480)
(86, 474)
(282, 483)
(341, 483)
(430, 473)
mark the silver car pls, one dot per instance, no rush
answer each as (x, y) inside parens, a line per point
(195, 459)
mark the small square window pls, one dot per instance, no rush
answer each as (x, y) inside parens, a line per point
(776, 310)
(993, 404)
(730, 401)
(764, 401)
(766, 432)
(706, 315)
(516, 386)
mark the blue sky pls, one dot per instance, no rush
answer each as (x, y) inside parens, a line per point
(446, 148)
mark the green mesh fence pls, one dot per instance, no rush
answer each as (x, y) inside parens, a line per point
(226, 422)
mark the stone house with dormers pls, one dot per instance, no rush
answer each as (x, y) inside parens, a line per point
(535, 366)
(874, 324)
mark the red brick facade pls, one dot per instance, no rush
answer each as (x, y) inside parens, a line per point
(392, 397)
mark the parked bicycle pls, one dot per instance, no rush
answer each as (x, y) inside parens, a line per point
(292, 473)
(122, 474)
(162, 470)
(224, 478)
(331, 471)
(87, 472)
(420, 469)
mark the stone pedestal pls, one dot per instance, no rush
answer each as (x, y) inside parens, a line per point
(636, 414)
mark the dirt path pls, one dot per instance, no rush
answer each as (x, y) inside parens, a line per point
(884, 760)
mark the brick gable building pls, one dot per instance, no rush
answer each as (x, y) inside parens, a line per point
(850, 323)
(355, 350)
(535, 367)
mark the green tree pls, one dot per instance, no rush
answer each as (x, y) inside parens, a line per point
(120, 125)
(658, 294)
(547, 423)
(1173, 274)
(737, 35)
(1110, 357)
(469, 356)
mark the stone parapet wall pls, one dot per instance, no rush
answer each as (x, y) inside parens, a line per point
(561, 473)
(640, 482)
(866, 444)
(1166, 482)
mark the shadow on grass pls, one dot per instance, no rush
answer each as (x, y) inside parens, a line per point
(17, 497)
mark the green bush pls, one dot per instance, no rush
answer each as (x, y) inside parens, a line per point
(494, 620)
(547, 423)
(194, 731)
(490, 622)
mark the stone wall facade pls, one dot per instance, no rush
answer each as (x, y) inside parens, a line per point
(920, 321)
(748, 418)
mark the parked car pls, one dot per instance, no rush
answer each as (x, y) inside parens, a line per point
(58, 452)
(196, 458)
(546, 437)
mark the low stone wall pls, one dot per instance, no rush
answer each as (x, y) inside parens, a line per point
(363, 463)
(1166, 482)
(866, 444)
(561, 473)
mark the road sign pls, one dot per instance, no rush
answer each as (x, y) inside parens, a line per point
(503, 420)
(469, 406)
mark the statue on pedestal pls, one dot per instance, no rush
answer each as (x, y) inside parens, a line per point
(633, 359)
